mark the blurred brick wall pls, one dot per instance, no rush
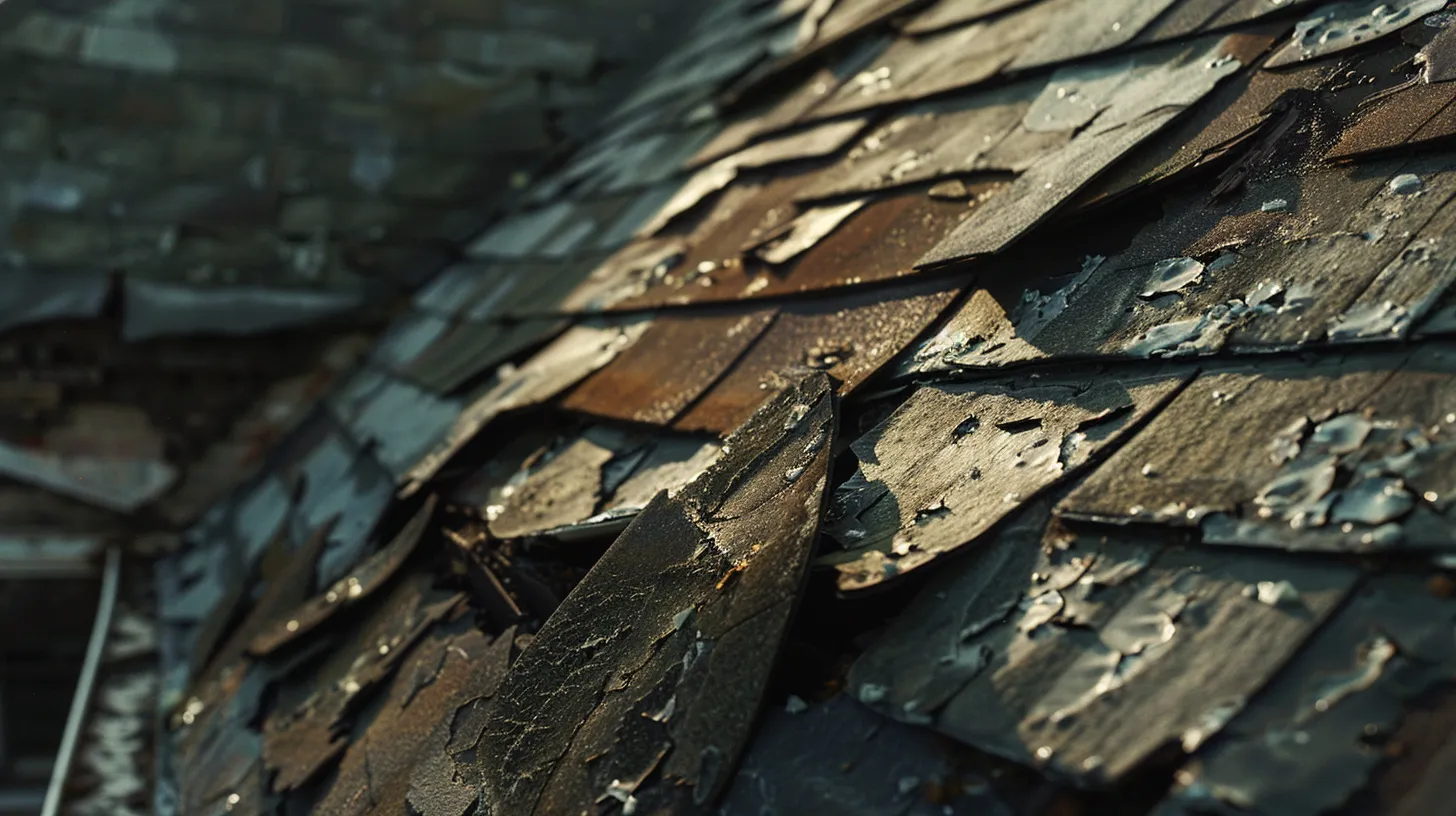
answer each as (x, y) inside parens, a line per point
(316, 145)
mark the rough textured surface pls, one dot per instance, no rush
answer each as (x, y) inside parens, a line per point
(595, 479)
(953, 461)
(653, 666)
(1064, 658)
(1133, 319)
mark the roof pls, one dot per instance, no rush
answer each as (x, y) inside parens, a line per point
(966, 407)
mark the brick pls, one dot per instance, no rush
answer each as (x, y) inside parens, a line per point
(204, 204)
(519, 51)
(340, 122)
(437, 87)
(366, 217)
(45, 239)
(447, 225)
(357, 215)
(294, 167)
(392, 35)
(373, 31)
(256, 18)
(56, 187)
(146, 49)
(171, 153)
(250, 256)
(524, 128)
(26, 131)
(45, 35)
(241, 248)
(65, 91)
(380, 126)
(235, 59)
(408, 175)
(143, 108)
(315, 70)
(446, 12)
(577, 20)
(305, 215)
(167, 103)
(130, 49)
(299, 265)
(407, 264)
(430, 178)
(233, 134)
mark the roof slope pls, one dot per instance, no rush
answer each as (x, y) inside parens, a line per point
(906, 407)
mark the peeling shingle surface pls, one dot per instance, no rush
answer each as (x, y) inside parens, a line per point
(653, 665)
(1061, 658)
(926, 407)
(981, 454)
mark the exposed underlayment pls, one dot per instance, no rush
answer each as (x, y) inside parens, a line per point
(935, 407)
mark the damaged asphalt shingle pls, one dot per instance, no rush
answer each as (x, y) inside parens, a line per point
(1142, 104)
(1065, 655)
(303, 734)
(370, 574)
(401, 741)
(642, 685)
(953, 461)
(600, 477)
(1344, 457)
(1131, 312)
(669, 366)
(1307, 744)
(574, 355)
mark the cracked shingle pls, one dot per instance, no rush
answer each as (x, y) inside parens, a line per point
(1071, 653)
(642, 686)
(953, 461)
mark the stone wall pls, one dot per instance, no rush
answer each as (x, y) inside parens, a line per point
(243, 164)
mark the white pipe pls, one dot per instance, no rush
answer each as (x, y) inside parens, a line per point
(81, 702)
